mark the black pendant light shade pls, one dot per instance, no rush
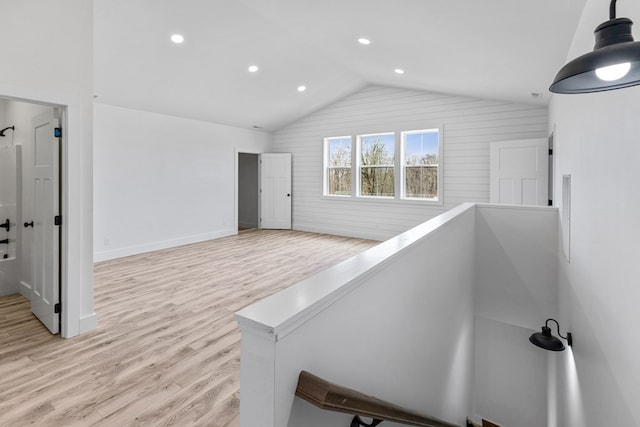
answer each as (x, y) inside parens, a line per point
(547, 341)
(613, 64)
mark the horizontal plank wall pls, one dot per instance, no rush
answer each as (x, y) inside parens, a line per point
(469, 125)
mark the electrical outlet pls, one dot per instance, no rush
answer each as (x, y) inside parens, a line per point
(107, 241)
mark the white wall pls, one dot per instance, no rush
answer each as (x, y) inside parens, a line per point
(470, 124)
(48, 51)
(408, 341)
(597, 143)
(515, 292)
(162, 181)
(510, 380)
(516, 272)
(436, 319)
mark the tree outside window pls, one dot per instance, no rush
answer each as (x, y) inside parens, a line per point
(374, 174)
(421, 162)
(338, 166)
(377, 178)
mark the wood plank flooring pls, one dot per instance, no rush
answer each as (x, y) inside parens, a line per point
(167, 350)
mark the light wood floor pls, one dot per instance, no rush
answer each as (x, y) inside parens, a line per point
(167, 350)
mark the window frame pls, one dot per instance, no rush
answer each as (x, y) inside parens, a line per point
(326, 168)
(358, 167)
(438, 200)
(399, 169)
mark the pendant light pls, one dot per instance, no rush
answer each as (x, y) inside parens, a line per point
(613, 64)
(547, 341)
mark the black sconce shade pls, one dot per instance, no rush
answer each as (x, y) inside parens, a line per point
(547, 341)
(613, 64)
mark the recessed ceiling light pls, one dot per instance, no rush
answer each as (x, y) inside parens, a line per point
(177, 38)
(398, 71)
(253, 68)
(302, 88)
(364, 41)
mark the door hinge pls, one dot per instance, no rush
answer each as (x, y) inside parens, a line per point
(57, 308)
(550, 202)
(57, 220)
(551, 151)
(57, 132)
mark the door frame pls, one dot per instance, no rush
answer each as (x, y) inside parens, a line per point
(236, 167)
(76, 256)
(237, 194)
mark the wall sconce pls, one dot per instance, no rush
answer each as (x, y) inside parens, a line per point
(13, 128)
(613, 64)
(547, 341)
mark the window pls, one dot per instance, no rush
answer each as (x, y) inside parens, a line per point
(403, 165)
(337, 166)
(420, 164)
(376, 166)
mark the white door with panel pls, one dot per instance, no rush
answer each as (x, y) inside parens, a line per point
(520, 172)
(275, 190)
(46, 243)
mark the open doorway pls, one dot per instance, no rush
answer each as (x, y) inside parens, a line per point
(263, 191)
(248, 190)
(30, 206)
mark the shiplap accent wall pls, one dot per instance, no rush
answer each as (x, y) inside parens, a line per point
(469, 125)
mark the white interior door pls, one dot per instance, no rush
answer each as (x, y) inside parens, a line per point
(275, 190)
(520, 172)
(45, 257)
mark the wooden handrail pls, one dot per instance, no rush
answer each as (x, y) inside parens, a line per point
(333, 397)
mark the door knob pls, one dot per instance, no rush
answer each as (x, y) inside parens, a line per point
(28, 224)
(288, 195)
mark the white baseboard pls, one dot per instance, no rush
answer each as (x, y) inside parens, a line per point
(164, 244)
(371, 235)
(25, 290)
(88, 323)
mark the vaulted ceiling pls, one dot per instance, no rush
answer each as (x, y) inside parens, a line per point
(497, 49)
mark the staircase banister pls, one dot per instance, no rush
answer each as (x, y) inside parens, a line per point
(329, 396)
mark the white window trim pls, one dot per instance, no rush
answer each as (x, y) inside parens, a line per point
(439, 201)
(358, 166)
(399, 197)
(325, 168)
